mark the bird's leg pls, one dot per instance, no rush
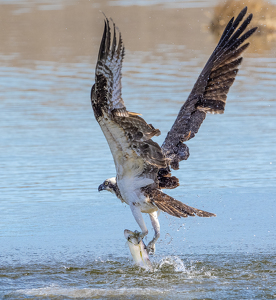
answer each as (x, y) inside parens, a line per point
(139, 219)
(156, 227)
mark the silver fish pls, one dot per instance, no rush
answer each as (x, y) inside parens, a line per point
(138, 250)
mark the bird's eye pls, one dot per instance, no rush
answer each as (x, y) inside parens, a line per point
(106, 183)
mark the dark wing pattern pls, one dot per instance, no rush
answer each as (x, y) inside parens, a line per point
(128, 135)
(107, 89)
(210, 90)
(172, 206)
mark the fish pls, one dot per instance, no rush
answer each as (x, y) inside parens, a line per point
(138, 251)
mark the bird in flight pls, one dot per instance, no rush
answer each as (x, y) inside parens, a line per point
(143, 168)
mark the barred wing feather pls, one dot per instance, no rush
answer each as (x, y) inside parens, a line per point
(128, 135)
(210, 90)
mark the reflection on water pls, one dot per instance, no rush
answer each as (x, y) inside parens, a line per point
(59, 236)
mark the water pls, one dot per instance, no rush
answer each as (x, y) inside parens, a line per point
(188, 277)
(59, 237)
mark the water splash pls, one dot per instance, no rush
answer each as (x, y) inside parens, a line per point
(171, 261)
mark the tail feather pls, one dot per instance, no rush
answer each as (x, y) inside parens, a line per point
(170, 210)
(174, 207)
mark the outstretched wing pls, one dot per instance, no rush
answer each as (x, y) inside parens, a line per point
(128, 135)
(210, 90)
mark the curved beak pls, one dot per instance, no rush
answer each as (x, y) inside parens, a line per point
(101, 187)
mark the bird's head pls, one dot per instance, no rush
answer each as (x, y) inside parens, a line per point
(108, 185)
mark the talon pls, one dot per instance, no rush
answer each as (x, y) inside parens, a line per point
(151, 248)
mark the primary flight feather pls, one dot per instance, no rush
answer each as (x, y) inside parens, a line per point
(142, 166)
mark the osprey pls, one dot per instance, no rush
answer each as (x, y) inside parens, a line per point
(143, 167)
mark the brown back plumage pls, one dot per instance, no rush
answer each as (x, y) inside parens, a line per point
(139, 134)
